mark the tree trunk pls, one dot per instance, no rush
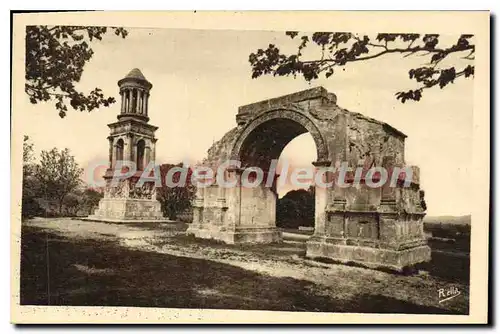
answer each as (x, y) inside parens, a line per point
(60, 206)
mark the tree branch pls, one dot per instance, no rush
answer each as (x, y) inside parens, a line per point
(388, 51)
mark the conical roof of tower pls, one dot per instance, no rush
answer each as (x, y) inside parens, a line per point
(136, 74)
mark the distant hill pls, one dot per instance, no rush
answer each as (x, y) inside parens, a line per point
(459, 220)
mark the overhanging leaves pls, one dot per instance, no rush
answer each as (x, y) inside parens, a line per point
(337, 49)
(55, 59)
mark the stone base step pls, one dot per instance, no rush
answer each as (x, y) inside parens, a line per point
(259, 236)
(370, 257)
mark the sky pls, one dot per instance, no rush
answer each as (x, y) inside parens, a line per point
(201, 77)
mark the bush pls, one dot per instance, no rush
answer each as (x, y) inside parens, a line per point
(448, 231)
(176, 200)
(186, 216)
(31, 208)
(296, 209)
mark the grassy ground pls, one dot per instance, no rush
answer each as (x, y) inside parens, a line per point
(62, 268)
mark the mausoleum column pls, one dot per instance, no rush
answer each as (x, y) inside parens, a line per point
(134, 101)
(144, 104)
(125, 101)
(127, 154)
(135, 95)
(129, 100)
(139, 101)
(147, 156)
(153, 149)
(110, 153)
(135, 152)
(113, 152)
(143, 98)
(122, 107)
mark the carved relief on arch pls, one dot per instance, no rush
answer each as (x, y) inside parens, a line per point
(293, 114)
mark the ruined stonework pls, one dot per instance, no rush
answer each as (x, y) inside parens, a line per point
(374, 226)
(131, 139)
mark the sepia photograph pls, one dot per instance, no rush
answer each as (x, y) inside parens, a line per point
(209, 164)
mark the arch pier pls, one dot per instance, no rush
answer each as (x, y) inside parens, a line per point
(373, 226)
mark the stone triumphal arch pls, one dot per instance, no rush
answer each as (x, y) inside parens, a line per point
(378, 226)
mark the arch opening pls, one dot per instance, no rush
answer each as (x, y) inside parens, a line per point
(141, 145)
(299, 153)
(295, 206)
(119, 150)
(265, 143)
(279, 126)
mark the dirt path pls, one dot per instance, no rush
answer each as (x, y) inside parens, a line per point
(277, 260)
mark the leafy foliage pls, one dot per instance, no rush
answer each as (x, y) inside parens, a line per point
(28, 155)
(81, 202)
(175, 200)
(91, 198)
(55, 59)
(296, 209)
(30, 206)
(72, 203)
(57, 175)
(55, 179)
(337, 49)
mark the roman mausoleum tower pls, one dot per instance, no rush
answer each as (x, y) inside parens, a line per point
(131, 140)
